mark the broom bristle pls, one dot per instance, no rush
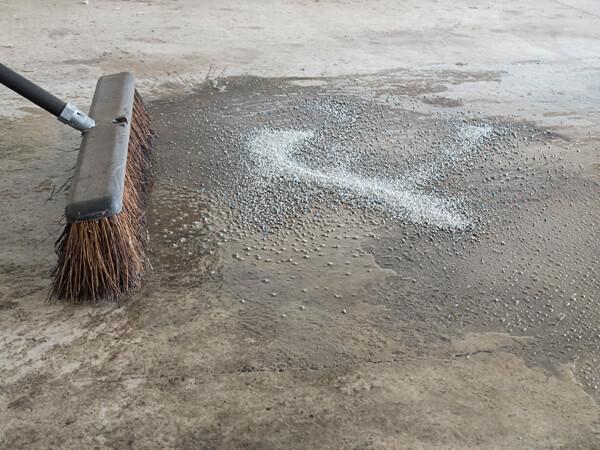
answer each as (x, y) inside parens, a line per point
(106, 258)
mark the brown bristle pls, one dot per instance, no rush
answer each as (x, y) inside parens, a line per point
(106, 258)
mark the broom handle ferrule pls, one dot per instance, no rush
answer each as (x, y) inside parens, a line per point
(65, 112)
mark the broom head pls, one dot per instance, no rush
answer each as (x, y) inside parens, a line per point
(101, 251)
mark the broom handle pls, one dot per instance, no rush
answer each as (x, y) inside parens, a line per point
(65, 112)
(31, 91)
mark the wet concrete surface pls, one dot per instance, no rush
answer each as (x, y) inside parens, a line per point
(525, 268)
(339, 309)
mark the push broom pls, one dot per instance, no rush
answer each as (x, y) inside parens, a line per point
(101, 251)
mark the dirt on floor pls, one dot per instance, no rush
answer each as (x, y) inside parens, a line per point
(386, 240)
(341, 325)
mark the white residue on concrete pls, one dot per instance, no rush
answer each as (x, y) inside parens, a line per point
(272, 151)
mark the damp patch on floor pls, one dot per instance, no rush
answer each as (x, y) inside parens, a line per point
(330, 199)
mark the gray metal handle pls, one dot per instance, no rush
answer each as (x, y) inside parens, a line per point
(65, 112)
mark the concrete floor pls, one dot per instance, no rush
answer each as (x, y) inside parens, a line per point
(435, 363)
